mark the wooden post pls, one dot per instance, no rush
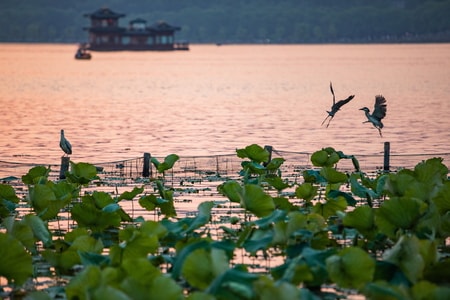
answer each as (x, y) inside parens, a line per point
(387, 150)
(268, 148)
(146, 171)
(64, 167)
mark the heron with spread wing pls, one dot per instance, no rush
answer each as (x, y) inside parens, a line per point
(379, 112)
(336, 106)
(64, 144)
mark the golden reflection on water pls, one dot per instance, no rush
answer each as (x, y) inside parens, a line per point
(212, 100)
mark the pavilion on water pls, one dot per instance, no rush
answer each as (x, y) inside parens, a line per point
(105, 34)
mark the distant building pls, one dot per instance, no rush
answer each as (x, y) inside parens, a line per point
(105, 34)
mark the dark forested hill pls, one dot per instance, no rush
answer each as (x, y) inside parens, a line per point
(239, 21)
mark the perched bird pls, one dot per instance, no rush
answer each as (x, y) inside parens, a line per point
(336, 106)
(64, 144)
(379, 112)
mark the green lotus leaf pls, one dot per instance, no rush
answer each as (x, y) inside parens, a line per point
(202, 266)
(309, 267)
(44, 201)
(200, 296)
(432, 172)
(257, 201)
(362, 218)
(99, 199)
(90, 258)
(360, 190)
(427, 290)
(439, 272)
(164, 287)
(280, 233)
(442, 198)
(277, 182)
(110, 208)
(232, 190)
(110, 293)
(319, 158)
(150, 202)
(406, 255)
(334, 194)
(382, 290)
(140, 270)
(203, 216)
(346, 267)
(88, 215)
(21, 231)
(81, 173)
(429, 251)
(184, 253)
(306, 191)
(80, 286)
(313, 176)
(398, 214)
(283, 203)
(167, 164)
(333, 176)
(260, 239)
(406, 184)
(39, 229)
(275, 216)
(254, 152)
(67, 257)
(15, 262)
(137, 244)
(234, 284)
(253, 167)
(130, 195)
(153, 228)
(75, 233)
(7, 193)
(298, 221)
(36, 175)
(330, 207)
(275, 163)
(267, 289)
(38, 295)
(333, 159)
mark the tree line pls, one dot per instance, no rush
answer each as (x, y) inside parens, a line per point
(239, 21)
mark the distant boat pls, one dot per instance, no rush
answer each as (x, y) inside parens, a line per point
(82, 53)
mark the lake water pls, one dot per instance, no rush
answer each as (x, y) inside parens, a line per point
(213, 99)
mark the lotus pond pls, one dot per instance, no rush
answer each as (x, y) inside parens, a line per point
(330, 235)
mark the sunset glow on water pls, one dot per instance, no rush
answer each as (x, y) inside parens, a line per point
(214, 99)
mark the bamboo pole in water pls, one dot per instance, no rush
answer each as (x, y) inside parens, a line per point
(387, 149)
(64, 167)
(146, 171)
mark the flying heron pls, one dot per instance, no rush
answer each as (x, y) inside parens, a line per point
(64, 144)
(336, 106)
(379, 112)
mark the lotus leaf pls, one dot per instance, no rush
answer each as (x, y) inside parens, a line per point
(15, 262)
(406, 255)
(306, 191)
(254, 152)
(81, 173)
(36, 175)
(202, 266)
(398, 214)
(267, 289)
(362, 218)
(345, 268)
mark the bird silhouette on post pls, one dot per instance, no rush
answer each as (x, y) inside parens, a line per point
(336, 106)
(64, 144)
(379, 112)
